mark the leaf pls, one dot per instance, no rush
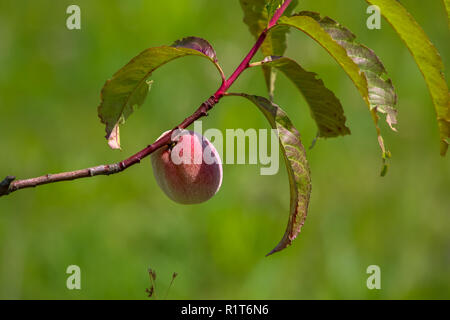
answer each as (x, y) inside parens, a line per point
(359, 62)
(325, 108)
(427, 58)
(381, 91)
(199, 44)
(128, 87)
(447, 8)
(296, 165)
(257, 14)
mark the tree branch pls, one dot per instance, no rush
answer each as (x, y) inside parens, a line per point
(9, 184)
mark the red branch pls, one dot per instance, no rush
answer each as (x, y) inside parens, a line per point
(9, 184)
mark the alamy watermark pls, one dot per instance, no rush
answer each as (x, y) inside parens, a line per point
(234, 143)
(374, 280)
(74, 280)
(73, 22)
(374, 20)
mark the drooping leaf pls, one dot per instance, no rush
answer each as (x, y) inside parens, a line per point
(359, 62)
(128, 87)
(296, 164)
(325, 108)
(427, 58)
(257, 14)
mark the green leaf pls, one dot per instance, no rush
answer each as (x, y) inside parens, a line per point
(296, 165)
(447, 8)
(257, 14)
(128, 87)
(325, 108)
(427, 58)
(359, 62)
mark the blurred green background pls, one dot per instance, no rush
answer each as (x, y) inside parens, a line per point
(116, 227)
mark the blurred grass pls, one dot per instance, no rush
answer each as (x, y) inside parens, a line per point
(116, 227)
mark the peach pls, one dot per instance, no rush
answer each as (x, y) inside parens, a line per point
(189, 171)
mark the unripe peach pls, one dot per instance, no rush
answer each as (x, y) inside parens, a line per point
(190, 171)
